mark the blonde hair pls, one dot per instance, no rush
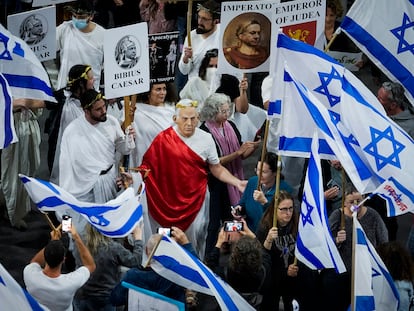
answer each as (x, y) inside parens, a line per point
(94, 239)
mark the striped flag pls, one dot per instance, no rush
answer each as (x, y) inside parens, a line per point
(383, 31)
(13, 297)
(7, 132)
(179, 266)
(116, 218)
(23, 71)
(374, 287)
(314, 245)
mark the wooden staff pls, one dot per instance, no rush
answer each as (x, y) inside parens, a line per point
(277, 190)
(129, 106)
(189, 16)
(153, 252)
(336, 33)
(259, 181)
(343, 178)
(49, 221)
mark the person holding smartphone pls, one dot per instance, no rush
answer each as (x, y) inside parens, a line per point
(43, 275)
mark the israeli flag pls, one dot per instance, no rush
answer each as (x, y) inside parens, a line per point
(7, 132)
(398, 198)
(355, 127)
(383, 31)
(116, 218)
(22, 69)
(314, 244)
(374, 287)
(179, 266)
(13, 297)
(335, 135)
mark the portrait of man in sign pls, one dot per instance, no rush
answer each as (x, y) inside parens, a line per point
(127, 52)
(33, 29)
(246, 40)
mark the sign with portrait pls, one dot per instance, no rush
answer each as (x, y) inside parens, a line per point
(38, 29)
(126, 60)
(249, 30)
(37, 3)
(245, 36)
(163, 56)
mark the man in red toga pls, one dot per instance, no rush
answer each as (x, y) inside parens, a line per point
(180, 158)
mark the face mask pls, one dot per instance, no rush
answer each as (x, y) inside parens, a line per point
(211, 74)
(80, 23)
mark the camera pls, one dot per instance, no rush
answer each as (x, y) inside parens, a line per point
(233, 226)
(66, 223)
(164, 231)
(332, 184)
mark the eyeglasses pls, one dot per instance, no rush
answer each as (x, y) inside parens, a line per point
(224, 111)
(257, 170)
(286, 209)
(98, 97)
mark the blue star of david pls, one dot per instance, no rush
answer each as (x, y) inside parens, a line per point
(306, 218)
(378, 138)
(375, 273)
(5, 54)
(326, 78)
(336, 118)
(399, 33)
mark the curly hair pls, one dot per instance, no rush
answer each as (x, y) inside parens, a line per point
(246, 255)
(213, 104)
(77, 79)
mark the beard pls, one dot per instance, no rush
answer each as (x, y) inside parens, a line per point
(201, 31)
(99, 119)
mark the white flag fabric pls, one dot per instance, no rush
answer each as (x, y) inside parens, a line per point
(179, 266)
(13, 297)
(336, 135)
(315, 246)
(371, 147)
(374, 287)
(383, 31)
(398, 198)
(7, 132)
(22, 69)
(116, 218)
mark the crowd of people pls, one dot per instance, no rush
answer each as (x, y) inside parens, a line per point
(185, 135)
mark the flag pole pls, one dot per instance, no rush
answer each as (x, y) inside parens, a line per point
(343, 178)
(189, 15)
(153, 251)
(354, 215)
(259, 180)
(336, 33)
(277, 190)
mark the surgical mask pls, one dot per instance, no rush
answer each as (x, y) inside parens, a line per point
(80, 23)
(211, 75)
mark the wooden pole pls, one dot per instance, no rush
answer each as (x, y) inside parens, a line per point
(336, 33)
(189, 17)
(343, 178)
(259, 180)
(153, 252)
(277, 190)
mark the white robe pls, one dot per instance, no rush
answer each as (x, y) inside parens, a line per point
(200, 47)
(81, 48)
(149, 121)
(71, 110)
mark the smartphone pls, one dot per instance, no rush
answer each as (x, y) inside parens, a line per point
(164, 231)
(233, 226)
(66, 223)
(332, 184)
